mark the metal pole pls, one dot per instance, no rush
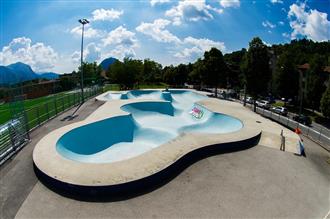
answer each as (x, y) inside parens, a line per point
(55, 105)
(47, 110)
(62, 98)
(244, 101)
(81, 64)
(38, 115)
(320, 134)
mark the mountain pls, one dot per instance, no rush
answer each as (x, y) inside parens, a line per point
(7, 76)
(23, 71)
(19, 72)
(107, 62)
(48, 75)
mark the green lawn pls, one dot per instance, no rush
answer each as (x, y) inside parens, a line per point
(31, 104)
(278, 104)
(113, 87)
(116, 87)
(42, 108)
(153, 86)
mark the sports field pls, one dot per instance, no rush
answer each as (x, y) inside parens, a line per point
(28, 104)
(42, 108)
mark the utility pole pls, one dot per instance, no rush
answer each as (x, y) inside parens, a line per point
(83, 22)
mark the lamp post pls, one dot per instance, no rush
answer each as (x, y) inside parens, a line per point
(83, 22)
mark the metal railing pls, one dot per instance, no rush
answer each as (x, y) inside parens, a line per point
(10, 138)
(318, 136)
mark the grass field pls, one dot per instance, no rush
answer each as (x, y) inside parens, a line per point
(28, 104)
(153, 86)
(116, 87)
(42, 108)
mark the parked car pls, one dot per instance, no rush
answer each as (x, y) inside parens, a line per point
(249, 100)
(280, 110)
(306, 120)
(263, 104)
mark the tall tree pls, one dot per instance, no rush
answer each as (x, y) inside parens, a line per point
(92, 72)
(151, 71)
(195, 75)
(234, 61)
(215, 69)
(286, 78)
(256, 69)
(169, 75)
(315, 81)
(325, 102)
(176, 76)
(125, 73)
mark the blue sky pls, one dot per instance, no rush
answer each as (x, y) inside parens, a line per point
(46, 34)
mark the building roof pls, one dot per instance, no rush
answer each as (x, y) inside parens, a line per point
(327, 69)
(306, 66)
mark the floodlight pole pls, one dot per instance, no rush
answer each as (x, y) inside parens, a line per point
(83, 22)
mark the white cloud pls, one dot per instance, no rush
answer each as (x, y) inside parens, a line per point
(195, 48)
(187, 49)
(106, 15)
(39, 56)
(191, 11)
(268, 24)
(120, 36)
(75, 56)
(155, 2)
(276, 1)
(122, 41)
(230, 3)
(281, 23)
(89, 32)
(286, 35)
(92, 53)
(157, 31)
(310, 23)
(121, 52)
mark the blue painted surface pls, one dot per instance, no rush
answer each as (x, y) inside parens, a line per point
(149, 125)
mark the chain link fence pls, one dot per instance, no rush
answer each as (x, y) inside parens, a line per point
(320, 137)
(15, 133)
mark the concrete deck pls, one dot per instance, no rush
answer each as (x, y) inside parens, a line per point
(50, 162)
(258, 183)
(17, 177)
(255, 183)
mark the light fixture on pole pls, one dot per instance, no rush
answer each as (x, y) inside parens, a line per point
(83, 22)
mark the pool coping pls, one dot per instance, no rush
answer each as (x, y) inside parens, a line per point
(62, 172)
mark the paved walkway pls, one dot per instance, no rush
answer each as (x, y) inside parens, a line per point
(259, 182)
(17, 177)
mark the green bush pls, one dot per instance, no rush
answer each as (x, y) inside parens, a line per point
(325, 103)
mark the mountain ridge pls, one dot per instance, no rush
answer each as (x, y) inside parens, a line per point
(19, 72)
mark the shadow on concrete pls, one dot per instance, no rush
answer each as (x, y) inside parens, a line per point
(145, 185)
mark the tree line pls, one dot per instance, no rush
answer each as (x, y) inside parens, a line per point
(262, 70)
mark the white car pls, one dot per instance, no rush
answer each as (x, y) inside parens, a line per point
(263, 104)
(280, 110)
(249, 100)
